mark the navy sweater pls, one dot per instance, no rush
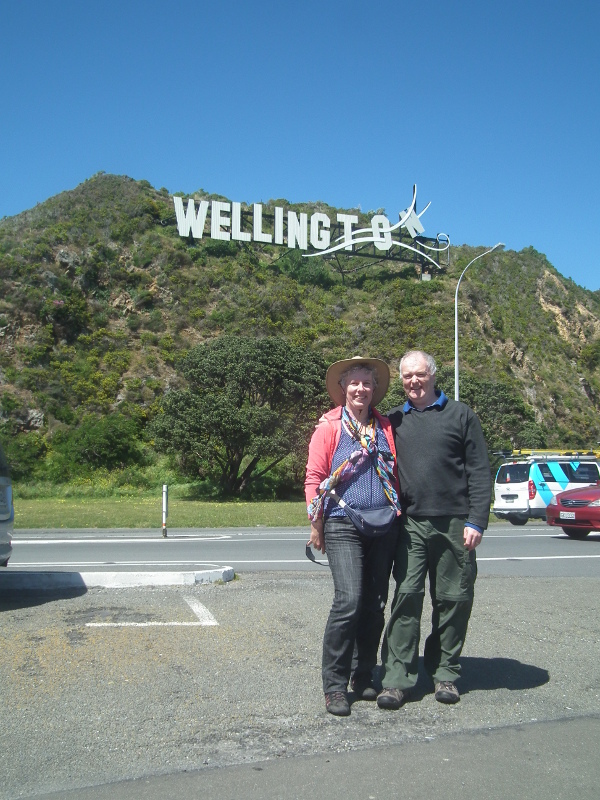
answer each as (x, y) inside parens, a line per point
(443, 462)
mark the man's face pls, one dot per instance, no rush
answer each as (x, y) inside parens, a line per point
(418, 383)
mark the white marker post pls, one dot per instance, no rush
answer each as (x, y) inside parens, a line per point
(165, 498)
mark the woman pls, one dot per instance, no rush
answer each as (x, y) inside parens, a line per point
(352, 449)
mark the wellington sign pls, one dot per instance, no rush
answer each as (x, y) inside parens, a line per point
(315, 233)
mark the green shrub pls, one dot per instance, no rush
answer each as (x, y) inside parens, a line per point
(25, 453)
(109, 442)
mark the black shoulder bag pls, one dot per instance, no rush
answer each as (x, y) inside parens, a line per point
(368, 521)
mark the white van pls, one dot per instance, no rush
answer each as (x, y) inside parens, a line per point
(528, 481)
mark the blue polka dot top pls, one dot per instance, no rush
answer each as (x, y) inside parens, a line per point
(364, 489)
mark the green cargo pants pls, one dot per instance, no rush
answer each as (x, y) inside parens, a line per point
(431, 546)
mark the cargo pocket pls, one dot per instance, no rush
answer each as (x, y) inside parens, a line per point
(469, 572)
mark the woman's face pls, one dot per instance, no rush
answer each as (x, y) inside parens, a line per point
(359, 391)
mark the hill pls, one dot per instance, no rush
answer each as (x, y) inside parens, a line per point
(101, 297)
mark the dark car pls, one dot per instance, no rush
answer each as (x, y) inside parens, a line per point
(7, 512)
(576, 511)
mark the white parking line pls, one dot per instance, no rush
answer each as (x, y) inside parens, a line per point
(144, 624)
(205, 619)
(203, 614)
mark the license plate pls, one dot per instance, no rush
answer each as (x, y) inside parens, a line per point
(567, 515)
(509, 500)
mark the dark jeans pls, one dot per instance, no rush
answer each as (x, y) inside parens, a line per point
(360, 567)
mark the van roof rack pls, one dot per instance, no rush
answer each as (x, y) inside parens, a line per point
(526, 453)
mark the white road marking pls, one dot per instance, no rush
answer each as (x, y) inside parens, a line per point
(143, 624)
(236, 562)
(198, 565)
(76, 564)
(511, 535)
(118, 540)
(203, 614)
(205, 619)
(533, 558)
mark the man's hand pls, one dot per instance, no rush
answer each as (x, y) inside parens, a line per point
(472, 538)
(317, 537)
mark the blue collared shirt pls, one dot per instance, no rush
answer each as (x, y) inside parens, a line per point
(441, 402)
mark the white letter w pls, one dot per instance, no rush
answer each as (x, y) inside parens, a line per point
(189, 221)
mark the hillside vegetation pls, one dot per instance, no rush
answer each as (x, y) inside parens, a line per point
(102, 301)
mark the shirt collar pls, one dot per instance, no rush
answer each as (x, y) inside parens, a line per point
(440, 403)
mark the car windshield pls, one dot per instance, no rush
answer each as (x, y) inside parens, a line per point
(4, 467)
(513, 473)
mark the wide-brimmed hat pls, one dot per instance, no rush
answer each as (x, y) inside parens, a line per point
(336, 370)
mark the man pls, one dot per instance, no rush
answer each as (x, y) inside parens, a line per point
(446, 491)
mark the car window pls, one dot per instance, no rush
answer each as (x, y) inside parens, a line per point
(546, 472)
(513, 473)
(4, 467)
(581, 472)
(571, 471)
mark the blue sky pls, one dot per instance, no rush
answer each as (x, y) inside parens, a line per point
(493, 110)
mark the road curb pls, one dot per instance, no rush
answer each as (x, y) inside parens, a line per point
(45, 581)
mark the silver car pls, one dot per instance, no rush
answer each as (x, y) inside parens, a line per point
(7, 511)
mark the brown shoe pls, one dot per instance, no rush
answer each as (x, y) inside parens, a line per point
(446, 692)
(391, 699)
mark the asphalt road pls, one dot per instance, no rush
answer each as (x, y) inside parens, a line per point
(214, 690)
(535, 550)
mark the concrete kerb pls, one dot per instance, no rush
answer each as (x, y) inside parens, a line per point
(48, 581)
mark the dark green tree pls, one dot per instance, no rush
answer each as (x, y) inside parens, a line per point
(506, 420)
(24, 452)
(109, 442)
(250, 403)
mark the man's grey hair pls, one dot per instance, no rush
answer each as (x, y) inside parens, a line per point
(343, 381)
(429, 360)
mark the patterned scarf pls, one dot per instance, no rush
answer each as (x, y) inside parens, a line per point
(368, 446)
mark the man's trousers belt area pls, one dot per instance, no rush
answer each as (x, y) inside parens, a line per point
(434, 547)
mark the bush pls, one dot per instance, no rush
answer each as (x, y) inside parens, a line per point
(25, 453)
(109, 442)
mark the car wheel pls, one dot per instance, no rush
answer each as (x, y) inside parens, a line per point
(4, 563)
(576, 533)
(517, 519)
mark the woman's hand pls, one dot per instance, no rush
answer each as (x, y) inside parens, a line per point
(317, 537)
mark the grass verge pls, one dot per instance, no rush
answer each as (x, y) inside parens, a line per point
(146, 512)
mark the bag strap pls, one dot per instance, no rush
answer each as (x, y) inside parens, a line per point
(336, 497)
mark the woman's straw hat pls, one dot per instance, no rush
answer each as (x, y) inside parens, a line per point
(336, 370)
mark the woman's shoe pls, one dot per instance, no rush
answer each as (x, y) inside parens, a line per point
(337, 703)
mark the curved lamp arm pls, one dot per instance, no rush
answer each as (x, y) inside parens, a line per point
(481, 255)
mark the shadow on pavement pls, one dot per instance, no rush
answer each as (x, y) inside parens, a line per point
(482, 674)
(12, 599)
(499, 673)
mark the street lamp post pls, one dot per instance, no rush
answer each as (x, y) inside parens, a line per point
(481, 255)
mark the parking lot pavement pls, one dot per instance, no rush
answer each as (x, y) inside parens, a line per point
(538, 761)
(109, 685)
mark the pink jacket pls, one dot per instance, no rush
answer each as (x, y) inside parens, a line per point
(323, 444)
